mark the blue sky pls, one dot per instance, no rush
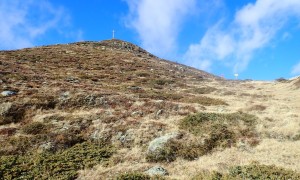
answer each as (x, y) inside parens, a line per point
(258, 39)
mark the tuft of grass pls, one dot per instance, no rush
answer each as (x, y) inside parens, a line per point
(257, 108)
(296, 137)
(61, 165)
(11, 113)
(35, 128)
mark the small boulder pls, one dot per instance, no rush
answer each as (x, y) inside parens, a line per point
(8, 93)
(157, 144)
(46, 147)
(157, 171)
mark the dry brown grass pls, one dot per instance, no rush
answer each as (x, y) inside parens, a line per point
(81, 93)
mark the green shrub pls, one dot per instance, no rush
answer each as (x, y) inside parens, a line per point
(35, 128)
(143, 74)
(61, 165)
(204, 90)
(296, 137)
(202, 123)
(256, 171)
(161, 95)
(217, 130)
(282, 80)
(133, 176)
(163, 82)
(214, 175)
(205, 101)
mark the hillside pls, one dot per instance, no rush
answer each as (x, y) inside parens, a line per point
(111, 110)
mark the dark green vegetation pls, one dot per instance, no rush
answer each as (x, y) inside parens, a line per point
(205, 101)
(220, 130)
(35, 128)
(251, 172)
(217, 131)
(59, 165)
(133, 176)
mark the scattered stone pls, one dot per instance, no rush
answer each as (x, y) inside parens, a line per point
(159, 101)
(137, 113)
(134, 88)
(157, 171)
(158, 144)
(8, 93)
(64, 96)
(125, 138)
(72, 80)
(159, 112)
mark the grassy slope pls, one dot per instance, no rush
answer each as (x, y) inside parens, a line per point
(91, 92)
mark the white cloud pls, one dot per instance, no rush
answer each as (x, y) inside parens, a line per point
(253, 28)
(22, 22)
(296, 70)
(157, 22)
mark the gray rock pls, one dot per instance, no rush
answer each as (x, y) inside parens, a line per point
(125, 138)
(8, 93)
(157, 171)
(159, 112)
(64, 96)
(137, 113)
(157, 144)
(48, 146)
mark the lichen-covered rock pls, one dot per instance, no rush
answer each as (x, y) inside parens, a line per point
(157, 144)
(157, 171)
(8, 93)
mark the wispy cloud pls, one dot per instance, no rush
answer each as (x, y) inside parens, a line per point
(296, 70)
(158, 22)
(253, 28)
(23, 22)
